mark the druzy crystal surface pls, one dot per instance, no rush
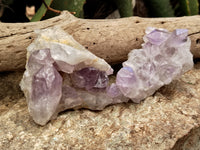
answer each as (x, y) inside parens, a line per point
(61, 74)
(164, 57)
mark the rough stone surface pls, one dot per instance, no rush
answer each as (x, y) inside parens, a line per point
(190, 141)
(168, 119)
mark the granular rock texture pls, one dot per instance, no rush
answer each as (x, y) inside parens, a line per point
(162, 121)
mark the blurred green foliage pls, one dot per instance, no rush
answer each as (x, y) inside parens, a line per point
(70, 5)
(170, 8)
(159, 8)
(75, 6)
(189, 7)
(41, 12)
(125, 7)
(14, 10)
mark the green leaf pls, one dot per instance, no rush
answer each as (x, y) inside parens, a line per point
(189, 7)
(70, 5)
(125, 7)
(41, 11)
(76, 6)
(159, 8)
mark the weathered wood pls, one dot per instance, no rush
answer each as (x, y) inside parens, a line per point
(109, 39)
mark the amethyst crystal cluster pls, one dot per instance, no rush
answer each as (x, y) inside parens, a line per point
(61, 74)
(164, 57)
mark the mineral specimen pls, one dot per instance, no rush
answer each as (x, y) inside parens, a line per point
(61, 74)
(164, 56)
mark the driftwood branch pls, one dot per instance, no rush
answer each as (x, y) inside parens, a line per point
(108, 39)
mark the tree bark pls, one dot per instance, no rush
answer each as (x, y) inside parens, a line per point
(111, 40)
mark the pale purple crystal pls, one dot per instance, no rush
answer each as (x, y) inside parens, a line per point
(40, 58)
(65, 76)
(125, 80)
(164, 57)
(156, 37)
(113, 91)
(46, 87)
(55, 61)
(46, 94)
(89, 78)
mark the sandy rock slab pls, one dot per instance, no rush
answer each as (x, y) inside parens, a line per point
(170, 119)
